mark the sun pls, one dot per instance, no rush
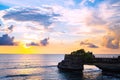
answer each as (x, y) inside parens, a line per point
(26, 46)
(25, 42)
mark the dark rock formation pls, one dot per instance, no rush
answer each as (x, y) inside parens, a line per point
(119, 57)
(108, 64)
(75, 60)
(71, 63)
(105, 67)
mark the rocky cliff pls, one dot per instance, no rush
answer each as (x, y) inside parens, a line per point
(71, 62)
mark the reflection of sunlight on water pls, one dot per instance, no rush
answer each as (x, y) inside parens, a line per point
(26, 67)
(91, 72)
(90, 68)
(31, 67)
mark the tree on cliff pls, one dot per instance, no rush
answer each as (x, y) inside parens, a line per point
(86, 56)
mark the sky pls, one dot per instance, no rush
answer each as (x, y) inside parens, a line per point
(59, 26)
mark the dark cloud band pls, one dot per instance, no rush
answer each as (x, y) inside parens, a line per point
(6, 40)
(88, 44)
(43, 16)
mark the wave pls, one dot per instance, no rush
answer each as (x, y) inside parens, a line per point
(10, 76)
(19, 75)
(91, 70)
(28, 66)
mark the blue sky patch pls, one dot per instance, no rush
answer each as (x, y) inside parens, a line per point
(2, 7)
(93, 4)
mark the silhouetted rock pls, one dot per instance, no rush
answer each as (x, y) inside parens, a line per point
(75, 60)
(71, 63)
(118, 57)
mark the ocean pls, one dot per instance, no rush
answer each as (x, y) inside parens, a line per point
(44, 67)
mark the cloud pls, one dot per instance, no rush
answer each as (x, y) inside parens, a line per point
(76, 22)
(106, 16)
(32, 44)
(44, 42)
(94, 19)
(42, 15)
(0, 23)
(32, 3)
(88, 44)
(8, 29)
(11, 27)
(92, 1)
(112, 39)
(33, 28)
(6, 40)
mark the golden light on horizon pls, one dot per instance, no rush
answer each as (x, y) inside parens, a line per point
(50, 49)
(16, 50)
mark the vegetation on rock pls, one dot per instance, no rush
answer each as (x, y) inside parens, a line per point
(83, 54)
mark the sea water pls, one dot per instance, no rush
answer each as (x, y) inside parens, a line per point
(44, 67)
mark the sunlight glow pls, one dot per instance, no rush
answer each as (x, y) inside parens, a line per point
(25, 46)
